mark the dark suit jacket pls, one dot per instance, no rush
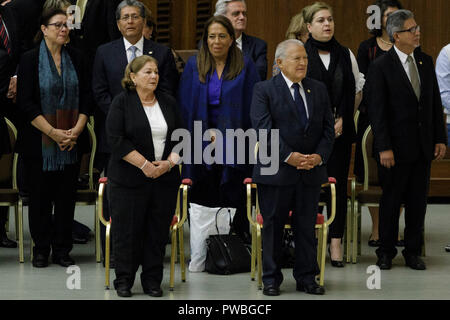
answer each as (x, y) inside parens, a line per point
(128, 129)
(256, 49)
(399, 121)
(109, 68)
(99, 26)
(29, 139)
(273, 108)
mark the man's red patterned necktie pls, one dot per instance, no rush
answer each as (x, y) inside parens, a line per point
(4, 36)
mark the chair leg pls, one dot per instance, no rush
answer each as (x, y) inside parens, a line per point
(253, 257)
(319, 245)
(16, 216)
(97, 235)
(19, 224)
(172, 258)
(182, 262)
(359, 231)
(259, 256)
(355, 232)
(349, 232)
(107, 255)
(323, 234)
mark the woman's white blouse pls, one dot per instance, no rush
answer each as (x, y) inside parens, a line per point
(159, 128)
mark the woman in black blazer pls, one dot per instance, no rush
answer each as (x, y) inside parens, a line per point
(143, 182)
(53, 100)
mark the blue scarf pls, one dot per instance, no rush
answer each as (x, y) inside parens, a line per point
(59, 101)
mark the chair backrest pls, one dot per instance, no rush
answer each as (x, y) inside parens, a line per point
(356, 119)
(93, 144)
(370, 164)
(184, 55)
(8, 162)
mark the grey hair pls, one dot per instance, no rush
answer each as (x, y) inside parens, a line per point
(130, 3)
(280, 52)
(396, 22)
(222, 5)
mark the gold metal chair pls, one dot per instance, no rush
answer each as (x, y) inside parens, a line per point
(176, 229)
(256, 224)
(10, 195)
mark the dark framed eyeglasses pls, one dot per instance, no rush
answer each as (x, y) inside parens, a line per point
(412, 30)
(58, 25)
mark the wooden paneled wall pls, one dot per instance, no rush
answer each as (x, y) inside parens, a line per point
(269, 19)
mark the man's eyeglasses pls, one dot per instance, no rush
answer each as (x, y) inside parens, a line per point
(58, 25)
(412, 30)
(133, 17)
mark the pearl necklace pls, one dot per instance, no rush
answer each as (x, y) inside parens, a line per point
(385, 42)
(150, 102)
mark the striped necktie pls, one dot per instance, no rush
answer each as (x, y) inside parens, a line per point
(133, 52)
(4, 36)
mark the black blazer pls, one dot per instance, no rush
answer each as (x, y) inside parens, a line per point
(256, 50)
(99, 26)
(273, 108)
(29, 139)
(399, 121)
(128, 129)
(109, 68)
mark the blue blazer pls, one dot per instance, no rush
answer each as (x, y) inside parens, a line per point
(273, 108)
(235, 101)
(256, 50)
(109, 68)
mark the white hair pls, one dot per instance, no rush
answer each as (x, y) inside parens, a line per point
(280, 52)
(222, 5)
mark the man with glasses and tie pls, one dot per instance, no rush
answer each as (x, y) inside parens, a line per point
(299, 109)
(405, 112)
(110, 62)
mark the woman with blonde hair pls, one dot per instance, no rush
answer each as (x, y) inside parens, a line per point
(335, 66)
(142, 185)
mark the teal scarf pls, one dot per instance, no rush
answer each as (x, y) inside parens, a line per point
(59, 101)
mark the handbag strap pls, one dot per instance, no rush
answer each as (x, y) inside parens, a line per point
(229, 214)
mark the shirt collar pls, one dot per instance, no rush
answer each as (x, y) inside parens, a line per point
(403, 56)
(289, 82)
(139, 44)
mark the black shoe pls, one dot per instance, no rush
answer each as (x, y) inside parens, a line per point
(154, 292)
(374, 243)
(335, 263)
(7, 243)
(384, 262)
(40, 260)
(414, 262)
(64, 261)
(311, 288)
(123, 292)
(271, 290)
(447, 248)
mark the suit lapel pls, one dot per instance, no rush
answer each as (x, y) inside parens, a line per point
(245, 44)
(287, 96)
(141, 116)
(401, 71)
(309, 99)
(122, 53)
(148, 48)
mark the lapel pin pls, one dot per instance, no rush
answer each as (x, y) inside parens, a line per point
(420, 62)
(309, 91)
(150, 52)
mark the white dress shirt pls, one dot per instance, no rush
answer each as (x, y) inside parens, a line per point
(139, 51)
(158, 125)
(403, 59)
(239, 42)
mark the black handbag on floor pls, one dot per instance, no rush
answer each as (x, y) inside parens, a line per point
(226, 253)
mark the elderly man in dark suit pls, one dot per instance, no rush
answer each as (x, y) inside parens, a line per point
(405, 112)
(111, 60)
(252, 47)
(300, 109)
